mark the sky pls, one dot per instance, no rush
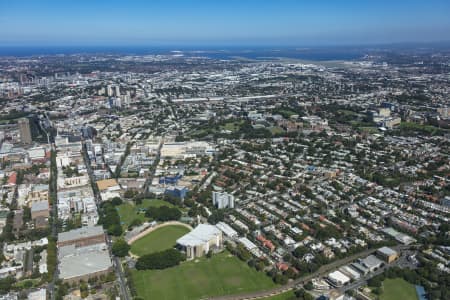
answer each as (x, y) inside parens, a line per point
(222, 22)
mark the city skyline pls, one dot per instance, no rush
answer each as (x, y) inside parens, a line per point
(231, 23)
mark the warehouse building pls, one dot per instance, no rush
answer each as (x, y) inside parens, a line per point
(371, 263)
(83, 263)
(338, 279)
(82, 236)
(387, 254)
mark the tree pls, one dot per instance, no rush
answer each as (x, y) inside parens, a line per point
(216, 217)
(160, 260)
(309, 286)
(303, 295)
(26, 214)
(134, 223)
(116, 201)
(110, 219)
(280, 279)
(129, 194)
(163, 213)
(115, 229)
(375, 281)
(120, 248)
(6, 284)
(300, 251)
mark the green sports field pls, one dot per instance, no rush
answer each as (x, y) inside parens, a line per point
(160, 239)
(222, 274)
(397, 288)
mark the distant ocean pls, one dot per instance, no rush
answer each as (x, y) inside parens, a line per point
(260, 53)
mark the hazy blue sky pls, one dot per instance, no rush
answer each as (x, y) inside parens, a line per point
(222, 22)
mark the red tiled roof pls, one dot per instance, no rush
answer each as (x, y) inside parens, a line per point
(12, 178)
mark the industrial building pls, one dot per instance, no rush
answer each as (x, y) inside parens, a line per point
(83, 263)
(80, 237)
(337, 278)
(371, 263)
(387, 254)
(24, 130)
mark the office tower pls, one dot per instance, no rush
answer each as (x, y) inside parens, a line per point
(109, 91)
(24, 130)
(117, 91)
(223, 200)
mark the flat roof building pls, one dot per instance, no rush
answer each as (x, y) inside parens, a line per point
(83, 263)
(82, 236)
(371, 262)
(387, 254)
(40, 209)
(337, 278)
(350, 272)
(24, 130)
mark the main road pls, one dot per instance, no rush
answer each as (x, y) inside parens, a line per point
(150, 176)
(116, 261)
(54, 230)
(302, 280)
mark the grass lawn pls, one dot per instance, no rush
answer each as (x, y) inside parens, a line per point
(398, 288)
(223, 274)
(232, 126)
(348, 112)
(161, 239)
(286, 113)
(369, 129)
(128, 212)
(276, 130)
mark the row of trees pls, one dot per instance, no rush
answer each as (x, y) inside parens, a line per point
(52, 259)
(120, 248)
(110, 219)
(163, 213)
(160, 260)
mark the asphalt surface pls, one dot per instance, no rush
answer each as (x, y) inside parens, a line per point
(124, 291)
(150, 177)
(54, 232)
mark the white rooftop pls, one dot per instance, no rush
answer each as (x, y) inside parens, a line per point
(200, 235)
(338, 276)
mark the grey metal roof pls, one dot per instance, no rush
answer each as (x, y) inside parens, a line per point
(371, 261)
(80, 233)
(71, 266)
(387, 251)
(38, 206)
